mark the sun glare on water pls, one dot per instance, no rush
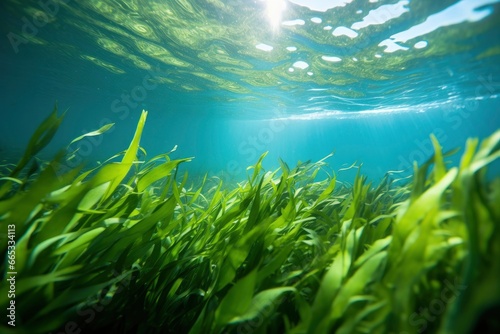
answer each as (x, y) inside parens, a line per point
(274, 10)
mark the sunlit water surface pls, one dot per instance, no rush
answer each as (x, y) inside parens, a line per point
(229, 80)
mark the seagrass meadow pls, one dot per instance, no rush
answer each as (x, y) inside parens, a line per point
(133, 246)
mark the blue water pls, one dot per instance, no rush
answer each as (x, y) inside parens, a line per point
(227, 81)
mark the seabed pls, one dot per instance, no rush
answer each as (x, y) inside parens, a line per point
(135, 247)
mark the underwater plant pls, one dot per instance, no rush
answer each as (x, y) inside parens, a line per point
(134, 247)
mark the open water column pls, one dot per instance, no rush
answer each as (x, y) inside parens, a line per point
(264, 166)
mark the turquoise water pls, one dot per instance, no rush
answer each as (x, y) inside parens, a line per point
(226, 81)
